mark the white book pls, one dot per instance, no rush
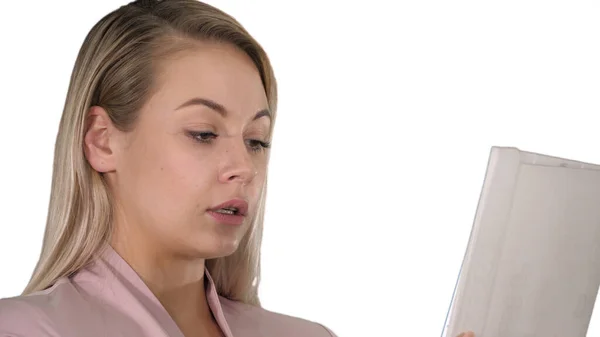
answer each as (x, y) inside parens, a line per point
(532, 264)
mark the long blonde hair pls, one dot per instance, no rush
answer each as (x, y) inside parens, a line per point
(114, 70)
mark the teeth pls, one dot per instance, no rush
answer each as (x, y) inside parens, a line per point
(230, 211)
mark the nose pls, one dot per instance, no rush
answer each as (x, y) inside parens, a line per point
(237, 165)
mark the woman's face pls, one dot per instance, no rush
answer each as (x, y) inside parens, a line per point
(189, 176)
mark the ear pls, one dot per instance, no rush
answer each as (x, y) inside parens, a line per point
(97, 140)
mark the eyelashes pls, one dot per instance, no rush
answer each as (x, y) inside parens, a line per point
(258, 145)
(207, 137)
(202, 136)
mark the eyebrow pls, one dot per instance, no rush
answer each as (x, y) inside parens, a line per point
(219, 108)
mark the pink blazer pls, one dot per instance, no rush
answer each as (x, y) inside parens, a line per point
(108, 298)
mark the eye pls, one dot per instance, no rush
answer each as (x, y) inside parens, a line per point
(256, 145)
(203, 136)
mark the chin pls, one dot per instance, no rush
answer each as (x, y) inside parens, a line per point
(225, 248)
(214, 246)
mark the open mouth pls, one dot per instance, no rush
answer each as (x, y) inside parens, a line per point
(233, 207)
(232, 212)
(228, 211)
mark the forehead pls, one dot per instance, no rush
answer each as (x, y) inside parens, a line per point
(215, 71)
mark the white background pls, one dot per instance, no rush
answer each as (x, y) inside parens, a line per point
(387, 113)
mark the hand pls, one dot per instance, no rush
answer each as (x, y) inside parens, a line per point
(467, 334)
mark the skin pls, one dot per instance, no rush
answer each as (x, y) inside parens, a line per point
(166, 173)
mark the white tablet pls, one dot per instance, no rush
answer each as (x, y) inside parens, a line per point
(532, 264)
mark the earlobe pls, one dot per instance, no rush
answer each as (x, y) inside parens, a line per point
(97, 140)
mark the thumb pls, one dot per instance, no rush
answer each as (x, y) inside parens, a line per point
(467, 334)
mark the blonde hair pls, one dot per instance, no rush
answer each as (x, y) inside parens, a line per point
(115, 70)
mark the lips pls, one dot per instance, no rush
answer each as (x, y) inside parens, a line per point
(232, 212)
(234, 207)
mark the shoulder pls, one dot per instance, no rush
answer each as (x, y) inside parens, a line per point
(246, 318)
(57, 311)
(23, 316)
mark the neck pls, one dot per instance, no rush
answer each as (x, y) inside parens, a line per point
(177, 282)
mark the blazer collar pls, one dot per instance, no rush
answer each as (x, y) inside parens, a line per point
(117, 269)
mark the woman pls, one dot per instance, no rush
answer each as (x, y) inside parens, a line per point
(156, 210)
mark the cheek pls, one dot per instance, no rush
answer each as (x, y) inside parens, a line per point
(167, 177)
(185, 175)
(256, 187)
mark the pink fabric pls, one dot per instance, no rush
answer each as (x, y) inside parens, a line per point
(108, 298)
